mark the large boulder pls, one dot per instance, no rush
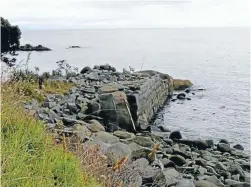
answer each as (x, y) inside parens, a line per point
(118, 150)
(143, 141)
(94, 126)
(175, 135)
(178, 160)
(105, 137)
(81, 131)
(223, 147)
(114, 109)
(239, 147)
(179, 84)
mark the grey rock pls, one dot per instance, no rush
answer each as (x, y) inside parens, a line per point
(73, 107)
(203, 183)
(224, 141)
(213, 179)
(223, 147)
(81, 131)
(210, 143)
(143, 141)
(168, 141)
(85, 69)
(164, 128)
(105, 137)
(175, 135)
(201, 162)
(167, 163)
(201, 144)
(88, 90)
(181, 96)
(236, 177)
(123, 135)
(235, 168)
(95, 126)
(168, 177)
(118, 150)
(239, 147)
(233, 183)
(220, 166)
(178, 160)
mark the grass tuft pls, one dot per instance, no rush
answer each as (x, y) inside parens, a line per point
(29, 156)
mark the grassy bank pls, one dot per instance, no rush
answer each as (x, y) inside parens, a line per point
(29, 156)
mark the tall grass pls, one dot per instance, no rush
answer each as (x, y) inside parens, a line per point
(29, 156)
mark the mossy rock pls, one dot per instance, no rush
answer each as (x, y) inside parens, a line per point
(179, 84)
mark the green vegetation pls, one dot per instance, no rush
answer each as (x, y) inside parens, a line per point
(179, 84)
(29, 155)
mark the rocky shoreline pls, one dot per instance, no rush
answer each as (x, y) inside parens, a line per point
(113, 109)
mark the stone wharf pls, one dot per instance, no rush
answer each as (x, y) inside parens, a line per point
(132, 110)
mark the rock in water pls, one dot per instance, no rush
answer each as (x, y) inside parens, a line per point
(164, 128)
(181, 96)
(223, 147)
(239, 147)
(175, 135)
(224, 141)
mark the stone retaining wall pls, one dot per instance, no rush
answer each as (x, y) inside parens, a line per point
(136, 109)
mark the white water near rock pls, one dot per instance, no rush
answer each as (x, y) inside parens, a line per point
(216, 59)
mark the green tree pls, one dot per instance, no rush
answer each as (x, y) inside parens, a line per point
(10, 36)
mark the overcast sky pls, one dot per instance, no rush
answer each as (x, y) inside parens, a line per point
(78, 14)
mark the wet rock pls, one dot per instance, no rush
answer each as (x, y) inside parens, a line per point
(179, 84)
(123, 134)
(187, 90)
(175, 135)
(201, 144)
(181, 96)
(105, 137)
(210, 143)
(239, 147)
(223, 147)
(95, 126)
(188, 99)
(178, 160)
(164, 128)
(224, 141)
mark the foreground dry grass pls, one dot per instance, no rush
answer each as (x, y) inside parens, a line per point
(29, 156)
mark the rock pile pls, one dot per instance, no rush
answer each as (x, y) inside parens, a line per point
(112, 109)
